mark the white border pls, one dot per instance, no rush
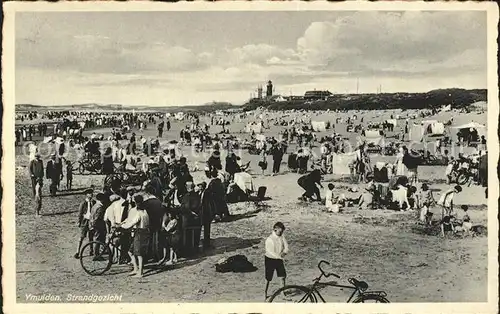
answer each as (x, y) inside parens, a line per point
(8, 215)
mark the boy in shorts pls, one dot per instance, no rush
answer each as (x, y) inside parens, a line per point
(276, 249)
(84, 218)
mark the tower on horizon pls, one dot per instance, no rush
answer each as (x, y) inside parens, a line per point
(269, 92)
(259, 92)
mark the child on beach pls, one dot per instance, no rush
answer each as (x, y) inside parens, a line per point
(446, 226)
(449, 171)
(276, 249)
(330, 201)
(426, 201)
(69, 175)
(171, 226)
(465, 224)
(38, 196)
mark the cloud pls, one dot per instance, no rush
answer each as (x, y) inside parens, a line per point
(374, 41)
(417, 46)
(100, 54)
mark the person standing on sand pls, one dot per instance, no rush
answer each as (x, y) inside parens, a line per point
(399, 165)
(38, 195)
(276, 249)
(83, 219)
(54, 173)
(139, 220)
(278, 152)
(446, 201)
(97, 225)
(36, 171)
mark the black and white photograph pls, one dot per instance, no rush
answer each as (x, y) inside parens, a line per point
(252, 156)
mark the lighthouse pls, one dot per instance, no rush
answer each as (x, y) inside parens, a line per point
(269, 92)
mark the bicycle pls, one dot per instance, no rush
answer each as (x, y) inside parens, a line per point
(311, 294)
(108, 253)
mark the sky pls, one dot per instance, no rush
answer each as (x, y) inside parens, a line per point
(190, 58)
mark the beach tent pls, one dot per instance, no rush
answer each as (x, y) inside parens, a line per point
(481, 129)
(255, 127)
(373, 137)
(179, 116)
(318, 126)
(260, 137)
(392, 121)
(446, 108)
(340, 163)
(427, 127)
(479, 106)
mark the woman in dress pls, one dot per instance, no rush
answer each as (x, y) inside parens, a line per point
(399, 165)
(139, 222)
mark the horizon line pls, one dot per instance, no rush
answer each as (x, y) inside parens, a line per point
(232, 103)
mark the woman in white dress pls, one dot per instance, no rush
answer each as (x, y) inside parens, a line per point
(399, 165)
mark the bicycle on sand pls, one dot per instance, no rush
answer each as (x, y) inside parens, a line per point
(97, 257)
(303, 294)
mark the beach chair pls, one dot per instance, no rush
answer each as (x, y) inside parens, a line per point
(261, 194)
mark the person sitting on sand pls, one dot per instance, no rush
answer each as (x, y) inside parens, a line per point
(330, 201)
(412, 197)
(366, 200)
(400, 197)
(465, 223)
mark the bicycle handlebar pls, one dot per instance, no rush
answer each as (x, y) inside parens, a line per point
(323, 272)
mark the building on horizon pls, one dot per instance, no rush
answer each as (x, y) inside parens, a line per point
(317, 95)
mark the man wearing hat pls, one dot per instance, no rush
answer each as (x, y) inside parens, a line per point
(36, 171)
(190, 213)
(54, 173)
(84, 217)
(205, 213)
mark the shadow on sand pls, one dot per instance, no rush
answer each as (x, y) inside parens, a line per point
(220, 245)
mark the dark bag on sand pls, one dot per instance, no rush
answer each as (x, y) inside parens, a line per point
(235, 264)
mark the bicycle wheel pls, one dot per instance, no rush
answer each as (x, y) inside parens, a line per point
(370, 298)
(293, 294)
(462, 179)
(81, 168)
(96, 263)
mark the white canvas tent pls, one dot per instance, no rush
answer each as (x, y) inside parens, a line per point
(392, 121)
(446, 108)
(418, 131)
(373, 137)
(340, 163)
(481, 129)
(179, 116)
(318, 126)
(255, 127)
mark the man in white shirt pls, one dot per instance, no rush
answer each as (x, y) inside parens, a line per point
(33, 149)
(115, 214)
(276, 249)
